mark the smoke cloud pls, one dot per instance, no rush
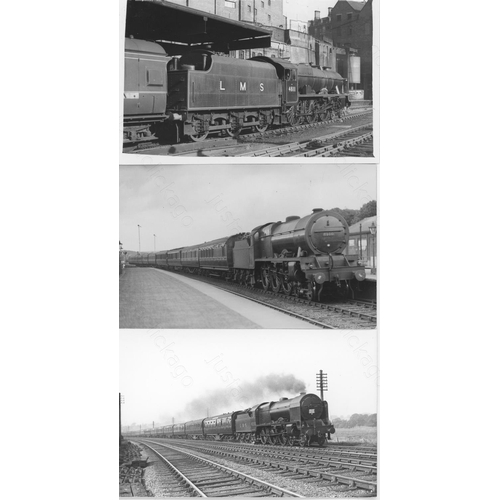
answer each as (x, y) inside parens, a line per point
(241, 395)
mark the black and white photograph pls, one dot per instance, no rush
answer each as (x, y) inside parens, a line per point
(249, 78)
(201, 417)
(248, 246)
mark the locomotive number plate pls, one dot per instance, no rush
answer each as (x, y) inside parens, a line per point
(329, 234)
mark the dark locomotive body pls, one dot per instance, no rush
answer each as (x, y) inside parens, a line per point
(301, 257)
(201, 93)
(302, 420)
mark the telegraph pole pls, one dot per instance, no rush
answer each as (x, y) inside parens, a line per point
(121, 401)
(154, 240)
(139, 231)
(321, 382)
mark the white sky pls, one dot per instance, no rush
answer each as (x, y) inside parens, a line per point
(190, 204)
(157, 385)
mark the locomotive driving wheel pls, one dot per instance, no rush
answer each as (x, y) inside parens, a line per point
(291, 115)
(263, 123)
(310, 109)
(312, 292)
(200, 133)
(266, 280)
(287, 287)
(275, 282)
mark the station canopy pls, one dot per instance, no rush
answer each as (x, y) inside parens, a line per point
(181, 28)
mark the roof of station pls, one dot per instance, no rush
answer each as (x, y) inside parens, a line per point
(162, 21)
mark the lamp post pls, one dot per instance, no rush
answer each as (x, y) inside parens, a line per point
(154, 242)
(373, 232)
(360, 243)
(139, 232)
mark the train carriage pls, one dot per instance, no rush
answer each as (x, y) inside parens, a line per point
(179, 430)
(145, 89)
(161, 259)
(174, 258)
(190, 258)
(220, 427)
(217, 255)
(194, 429)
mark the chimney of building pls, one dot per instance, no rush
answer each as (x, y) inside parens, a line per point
(329, 11)
(316, 14)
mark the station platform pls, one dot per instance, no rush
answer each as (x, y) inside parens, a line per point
(154, 298)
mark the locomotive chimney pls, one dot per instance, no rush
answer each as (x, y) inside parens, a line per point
(283, 399)
(292, 217)
(316, 210)
(303, 393)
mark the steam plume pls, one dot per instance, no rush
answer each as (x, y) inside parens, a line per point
(239, 396)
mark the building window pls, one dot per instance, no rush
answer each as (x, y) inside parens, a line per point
(262, 3)
(269, 18)
(229, 4)
(250, 8)
(339, 18)
(350, 30)
(349, 15)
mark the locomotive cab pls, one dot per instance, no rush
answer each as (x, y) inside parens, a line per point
(287, 73)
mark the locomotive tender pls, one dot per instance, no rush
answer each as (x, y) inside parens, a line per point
(301, 420)
(201, 93)
(296, 257)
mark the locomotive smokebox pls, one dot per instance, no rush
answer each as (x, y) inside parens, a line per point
(322, 232)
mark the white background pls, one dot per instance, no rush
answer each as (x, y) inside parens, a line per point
(438, 257)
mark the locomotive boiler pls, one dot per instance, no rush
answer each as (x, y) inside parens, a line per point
(301, 420)
(300, 256)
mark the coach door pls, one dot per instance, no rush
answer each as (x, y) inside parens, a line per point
(290, 86)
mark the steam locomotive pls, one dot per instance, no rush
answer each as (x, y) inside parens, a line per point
(297, 257)
(201, 93)
(301, 420)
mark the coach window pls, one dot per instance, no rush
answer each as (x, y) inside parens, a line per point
(294, 76)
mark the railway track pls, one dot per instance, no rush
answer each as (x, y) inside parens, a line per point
(314, 147)
(354, 473)
(229, 142)
(365, 311)
(197, 476)
(328, 455)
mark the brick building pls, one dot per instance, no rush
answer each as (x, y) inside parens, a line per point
(290, 39)
(265, 12)
(349, 24)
